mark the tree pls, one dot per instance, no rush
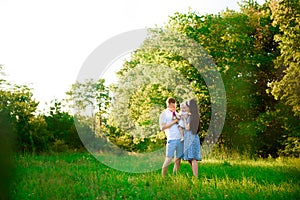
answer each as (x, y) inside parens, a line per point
(17, 103)
(6, 149)
(90, 98)
(285, 15)
(41, 136)
(161, 67)
(91, 109)
(285, 87)
(61, 128)
(242, 46)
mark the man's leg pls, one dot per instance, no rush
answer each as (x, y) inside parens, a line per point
(171, 146)
(176, 165)
(165, 166)
(179, 155)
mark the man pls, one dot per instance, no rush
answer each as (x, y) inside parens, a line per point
(168, 124)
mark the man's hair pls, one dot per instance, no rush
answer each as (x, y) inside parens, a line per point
(170, 100)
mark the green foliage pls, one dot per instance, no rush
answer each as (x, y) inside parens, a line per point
(292, 147)
(59, 146)
(142, 100)
(156, 71)
(256, 50)
(18, 106)
(88, 97)
(41, 135)
(285, 15)
(7, 136)
(61, 128)
(243, 47)
(27, 132)
(90, 102)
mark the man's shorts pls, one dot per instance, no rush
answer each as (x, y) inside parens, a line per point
(174, 146)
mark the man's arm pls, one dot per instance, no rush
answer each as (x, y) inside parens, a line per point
(162, 122)
(165, 126)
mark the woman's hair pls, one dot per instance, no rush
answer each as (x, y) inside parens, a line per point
(194, 119)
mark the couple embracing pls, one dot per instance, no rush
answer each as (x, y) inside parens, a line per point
(174, 125)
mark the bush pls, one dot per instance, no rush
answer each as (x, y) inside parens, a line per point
(292, 147)
(59, 146)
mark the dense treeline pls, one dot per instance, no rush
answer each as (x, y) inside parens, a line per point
(257, 53)
(256, 50)
(27, 132)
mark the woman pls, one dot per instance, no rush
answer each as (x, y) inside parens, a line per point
(190, 124)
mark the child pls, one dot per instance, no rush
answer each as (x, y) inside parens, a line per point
(183, 115)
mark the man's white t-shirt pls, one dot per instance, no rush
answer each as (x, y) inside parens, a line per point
(172, 133)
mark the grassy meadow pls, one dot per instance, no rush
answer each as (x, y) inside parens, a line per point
(81, 176)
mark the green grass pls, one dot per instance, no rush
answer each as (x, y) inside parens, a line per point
(81, 176)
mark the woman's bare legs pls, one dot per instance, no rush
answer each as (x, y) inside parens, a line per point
(194, 164)
(190, 162)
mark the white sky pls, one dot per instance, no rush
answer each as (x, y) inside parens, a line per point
(43, 44)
